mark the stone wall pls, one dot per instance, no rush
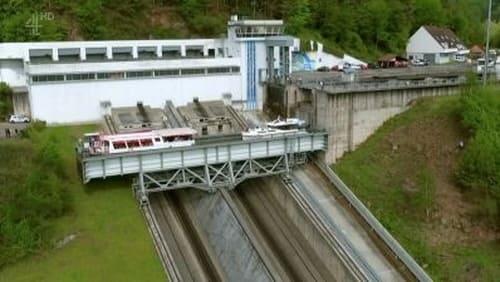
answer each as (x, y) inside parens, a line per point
(11, 130)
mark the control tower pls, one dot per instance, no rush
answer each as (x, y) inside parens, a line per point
(265, 53)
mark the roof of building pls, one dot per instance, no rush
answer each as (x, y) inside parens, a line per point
(477, 49)
(445, 37)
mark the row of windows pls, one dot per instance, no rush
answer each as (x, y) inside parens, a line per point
(259, 31)
(132, 74)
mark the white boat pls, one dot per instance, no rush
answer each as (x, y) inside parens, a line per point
(286, 124)
(97, 143)
(267, 133)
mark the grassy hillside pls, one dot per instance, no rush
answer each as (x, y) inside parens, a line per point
(407, 174)
(366, 28)
(106, 237)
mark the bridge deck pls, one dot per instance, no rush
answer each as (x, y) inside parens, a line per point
(94, 167)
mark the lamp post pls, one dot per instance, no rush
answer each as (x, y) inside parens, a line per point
(487, 55)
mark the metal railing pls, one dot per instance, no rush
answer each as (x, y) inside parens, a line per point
(346, 87)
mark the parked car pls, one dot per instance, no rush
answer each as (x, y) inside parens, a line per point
(351, 68)
(19, 118)
(323, 69)
(491, 66)
(419, 62)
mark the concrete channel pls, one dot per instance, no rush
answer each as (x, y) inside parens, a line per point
(298, 249)
(267, 229)
(320, 192)
(205, 239)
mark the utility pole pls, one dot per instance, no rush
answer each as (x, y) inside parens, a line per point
(487, 55)
(254, 4)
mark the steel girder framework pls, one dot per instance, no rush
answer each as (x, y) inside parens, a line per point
(211, 177)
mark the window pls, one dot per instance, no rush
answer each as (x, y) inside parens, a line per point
(55, 77)
(235, 69)
(204, 130)
(219, 70)
(194, 52)
(104, 75)
(47, 78)
(110, 75)
(132, 74)
(220, 127)
(80, 76)
(192, 71)
(119, 145)
(133, 143)
(146, 142)
(171, 53)
(166, 72)
(116, 75)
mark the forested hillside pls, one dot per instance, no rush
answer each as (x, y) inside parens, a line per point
(363, 27)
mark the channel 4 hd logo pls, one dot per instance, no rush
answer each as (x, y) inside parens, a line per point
(35, 22)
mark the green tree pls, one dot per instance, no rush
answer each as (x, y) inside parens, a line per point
(5, 100)
(297, 14)
(495, 37)
(373, 22)
(428, 12)
(480, 165)
(90, 15)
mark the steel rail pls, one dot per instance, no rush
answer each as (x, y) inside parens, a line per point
(341, 245)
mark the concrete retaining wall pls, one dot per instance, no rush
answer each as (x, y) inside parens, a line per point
(11, 130)
(350, 118)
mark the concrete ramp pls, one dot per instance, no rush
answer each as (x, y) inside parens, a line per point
(231, 246)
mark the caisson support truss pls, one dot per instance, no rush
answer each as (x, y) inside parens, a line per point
(211, 177)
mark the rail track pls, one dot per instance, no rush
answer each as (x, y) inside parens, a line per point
(292, 255)
(401, 262)
(174, 120)
(242, 123)
(109, 125)
(294, 237)
(332, 233)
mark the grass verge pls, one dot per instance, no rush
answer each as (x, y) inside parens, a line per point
(404, 173)
(111, 239)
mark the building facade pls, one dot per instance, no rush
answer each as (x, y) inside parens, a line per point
(73, 82)
(436, 45)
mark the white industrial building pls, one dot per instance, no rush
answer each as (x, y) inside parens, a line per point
(74, 82)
